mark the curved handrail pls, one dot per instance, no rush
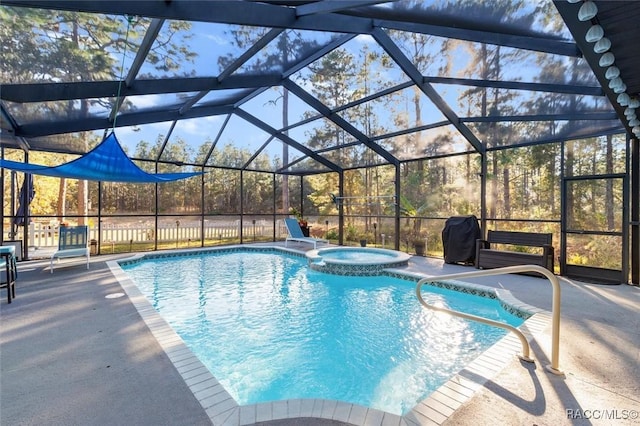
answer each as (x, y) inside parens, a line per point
(525, 344)
(555, 308)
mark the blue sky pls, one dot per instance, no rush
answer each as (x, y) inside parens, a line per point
(211, 41)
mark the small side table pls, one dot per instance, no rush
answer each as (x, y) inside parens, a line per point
(8, 255)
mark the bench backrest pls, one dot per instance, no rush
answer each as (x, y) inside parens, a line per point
(520, 238)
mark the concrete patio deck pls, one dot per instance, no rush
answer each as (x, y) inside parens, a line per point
(70, 355)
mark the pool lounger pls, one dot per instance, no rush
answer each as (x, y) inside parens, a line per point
(295, 234)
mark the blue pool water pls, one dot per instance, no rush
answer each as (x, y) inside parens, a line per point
(269, 328)
(356, 255)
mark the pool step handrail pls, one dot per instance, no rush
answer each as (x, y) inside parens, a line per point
(525, 344)
(555, 307)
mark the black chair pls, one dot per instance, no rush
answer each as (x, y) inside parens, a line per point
(8, 255)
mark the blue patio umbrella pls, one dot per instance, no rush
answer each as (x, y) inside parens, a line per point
(27, 192)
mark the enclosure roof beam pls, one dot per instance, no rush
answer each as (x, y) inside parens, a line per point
(339, 121)
(129, 119)
(220, 11)
(583, 133)
(286, 139)
(339, 41)
(275, 16)
(519, 85)
(165, 142)
(351, 104)
(7, 133)
(299, 65)
(42, 92)
(215, 141)
(414, 74)
(248, 54)
(284, 168)
(6, 121)
(373, 96)
(585, 116)
(327, 6)
(258, 151)
(412, 130)
(143, 50)
(138, 61)
(537, 44)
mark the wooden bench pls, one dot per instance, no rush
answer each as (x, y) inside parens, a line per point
(488, 257)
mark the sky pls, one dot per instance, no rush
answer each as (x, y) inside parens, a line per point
(211, 41)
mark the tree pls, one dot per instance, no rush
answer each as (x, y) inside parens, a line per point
(487, 63)
(287, 48)
(338, 78)
(609, 188)
(73, 46)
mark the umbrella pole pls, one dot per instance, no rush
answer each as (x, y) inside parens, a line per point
(13, 231)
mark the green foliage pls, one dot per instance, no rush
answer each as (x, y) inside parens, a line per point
(295, 213)
(366, 235)
(332, 234)
(409, 210)
(351, 232)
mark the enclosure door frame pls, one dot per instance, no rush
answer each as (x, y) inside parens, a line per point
(592, 273)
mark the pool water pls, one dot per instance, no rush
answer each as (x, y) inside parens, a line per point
(269, 328)
(355, 261)
(356, 255)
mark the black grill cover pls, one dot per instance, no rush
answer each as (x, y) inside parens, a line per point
(459, 239)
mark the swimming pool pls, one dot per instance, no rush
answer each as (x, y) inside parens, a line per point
(358, 339)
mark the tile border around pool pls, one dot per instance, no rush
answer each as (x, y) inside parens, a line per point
(222, 409)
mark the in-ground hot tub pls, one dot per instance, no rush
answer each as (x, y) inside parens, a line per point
(359, 261)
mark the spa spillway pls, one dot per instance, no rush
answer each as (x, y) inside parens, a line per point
(360, 261)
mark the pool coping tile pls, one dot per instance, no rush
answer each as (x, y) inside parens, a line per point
(222, 408)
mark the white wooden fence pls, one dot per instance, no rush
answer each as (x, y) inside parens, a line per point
(47, 236)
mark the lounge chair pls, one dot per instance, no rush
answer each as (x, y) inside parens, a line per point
(295, 233)
(72, 242)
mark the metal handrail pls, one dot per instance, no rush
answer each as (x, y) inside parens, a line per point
(525, 344)
(555, 308)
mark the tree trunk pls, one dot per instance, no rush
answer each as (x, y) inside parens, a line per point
(594, 185)
(525, 190)
(83, 185)
(609, 188)
(506, 192)
(494, 186)
(62, 197)
(83, 194)
(568, 172)
(285, 151)
(551, 171)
